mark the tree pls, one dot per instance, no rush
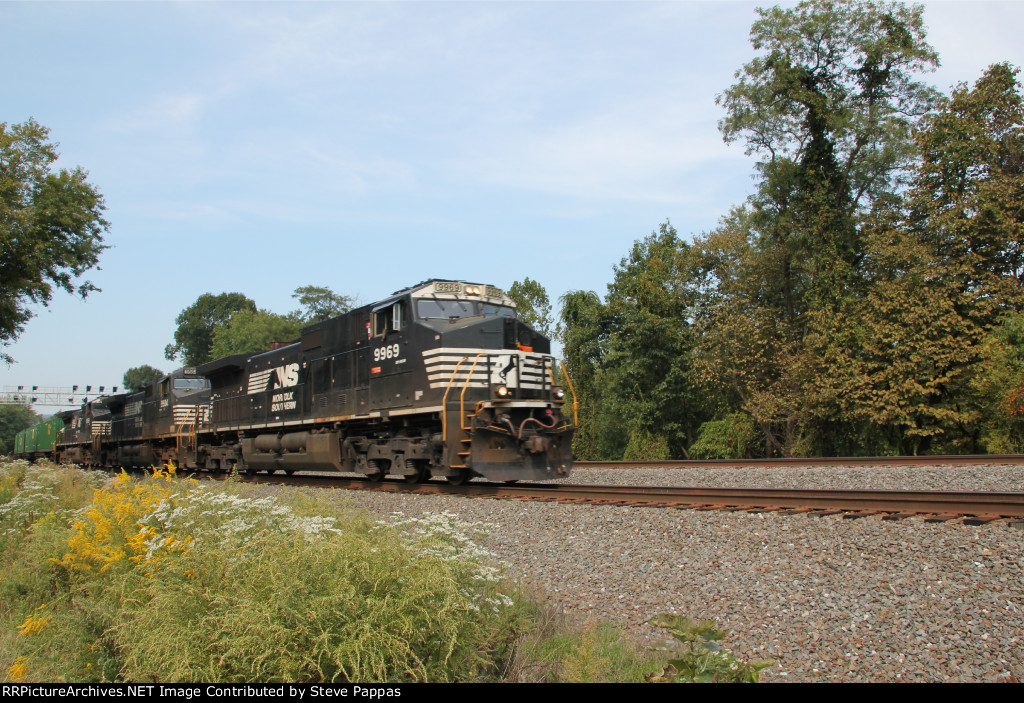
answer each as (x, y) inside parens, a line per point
(647, 365)
(532, 305)
(14, 419)
(746, 357)
(629, 357)
(136, 378)
(193, 338)
(321, 303)
(828, 108)
(251, 331)
(967, 200)
(918, 359)
(584, 335)
(51, 226)
(898, 364)
(1000, 387)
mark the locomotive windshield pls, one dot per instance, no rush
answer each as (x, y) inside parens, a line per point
(189, 384)
(496, 310)
(437, 309)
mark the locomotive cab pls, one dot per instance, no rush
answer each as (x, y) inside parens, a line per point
(501, 403)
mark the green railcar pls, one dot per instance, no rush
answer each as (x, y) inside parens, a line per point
(38, 439)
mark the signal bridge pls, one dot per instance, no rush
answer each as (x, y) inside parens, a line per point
(53, 396)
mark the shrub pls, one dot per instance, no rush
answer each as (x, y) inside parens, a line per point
(646, 446)
(699, 658)
(732, 437)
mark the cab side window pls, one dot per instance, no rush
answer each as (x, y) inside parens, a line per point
(389, 319)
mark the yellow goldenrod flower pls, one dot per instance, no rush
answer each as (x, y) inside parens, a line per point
(16, 671)
(33, 624)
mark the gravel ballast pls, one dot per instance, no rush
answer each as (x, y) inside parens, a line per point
(825, 598)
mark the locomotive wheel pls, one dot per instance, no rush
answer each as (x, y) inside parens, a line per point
(379, 468)
(458, 478)
(421, 474)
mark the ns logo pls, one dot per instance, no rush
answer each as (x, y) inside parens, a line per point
(271, 379)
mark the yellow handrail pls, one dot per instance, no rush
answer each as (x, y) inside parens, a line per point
(465, 385)
(444, 401)
(190, 423)
(179, 428)
(193, 433)
(575, 402)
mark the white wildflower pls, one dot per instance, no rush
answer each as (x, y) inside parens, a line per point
(446, 537)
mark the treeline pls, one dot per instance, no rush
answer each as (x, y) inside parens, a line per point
(865, 300)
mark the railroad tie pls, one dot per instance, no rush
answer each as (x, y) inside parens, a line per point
(981, 519)
(943, 517)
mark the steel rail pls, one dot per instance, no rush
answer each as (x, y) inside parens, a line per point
(937, 460)
(989, 505)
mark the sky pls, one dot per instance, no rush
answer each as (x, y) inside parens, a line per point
(367, 146)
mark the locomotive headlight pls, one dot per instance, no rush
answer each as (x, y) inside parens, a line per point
(502, 392)
(472, 290)
(559, 394)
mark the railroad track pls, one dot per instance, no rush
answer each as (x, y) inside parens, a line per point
(937, 460)
(935, 506)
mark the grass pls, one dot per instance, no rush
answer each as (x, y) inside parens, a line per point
(166, 579)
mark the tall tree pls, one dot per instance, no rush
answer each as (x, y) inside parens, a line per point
(251, 331)
(647, 366)
(136, 378)
(533, 305)
(193, 338)
(945, 273)
(51, 226)
(320, 303)
(828, 107)
(967, 201)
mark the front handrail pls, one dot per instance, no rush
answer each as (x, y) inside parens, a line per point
(575, 401)
(465, 385)
(187, 431)
(444, 401)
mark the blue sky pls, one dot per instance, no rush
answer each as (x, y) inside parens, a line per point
(262, 146)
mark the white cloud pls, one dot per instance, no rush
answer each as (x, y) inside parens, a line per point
(643, 151)
(970, 36)
(166, 113)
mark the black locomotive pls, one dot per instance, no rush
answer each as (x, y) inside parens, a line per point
(439, 379)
